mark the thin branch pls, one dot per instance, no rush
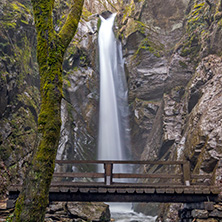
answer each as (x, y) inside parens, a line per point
(69, 28)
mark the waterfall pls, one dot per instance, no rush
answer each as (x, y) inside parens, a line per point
(113, 114)
(114, 134)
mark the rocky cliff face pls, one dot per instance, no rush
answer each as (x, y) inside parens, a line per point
(172, 51)
(19, 94)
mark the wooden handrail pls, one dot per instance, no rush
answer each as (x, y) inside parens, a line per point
(120, 162)
(108, 175)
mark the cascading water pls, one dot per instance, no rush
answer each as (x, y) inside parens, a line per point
(114, 142)
(113, 96)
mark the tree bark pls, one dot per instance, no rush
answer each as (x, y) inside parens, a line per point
(33, 199)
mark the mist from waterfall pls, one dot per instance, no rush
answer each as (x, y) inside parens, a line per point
(114, 137)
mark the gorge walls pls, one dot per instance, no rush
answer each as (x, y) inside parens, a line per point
(172, 51)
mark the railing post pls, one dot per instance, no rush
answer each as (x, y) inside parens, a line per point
(186, 173)
(108, 173)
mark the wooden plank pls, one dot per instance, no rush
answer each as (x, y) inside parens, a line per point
(84, 190)
(102, 190)
(198, 190)
(188, 190)
(130, 190)
(63, 189)
(149, 190)
(160, 190)
(79, 175)
(93, 190)
(121, 190)
(74, 190)
(179, 190)
(122, 185)
(215, 190)
(197, 176)
(186, 173)
(160, 176)
(170, 190)
(139, 190)
(108, 176)
(150, 162)
(54, 189)
(206, 191)
(111, 190)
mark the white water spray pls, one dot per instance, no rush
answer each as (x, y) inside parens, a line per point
(113, 96)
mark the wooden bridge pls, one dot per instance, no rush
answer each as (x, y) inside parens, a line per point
(158, 186)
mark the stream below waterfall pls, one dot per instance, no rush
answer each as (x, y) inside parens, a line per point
(122, 212)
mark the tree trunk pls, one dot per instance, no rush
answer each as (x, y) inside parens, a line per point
(33, 199)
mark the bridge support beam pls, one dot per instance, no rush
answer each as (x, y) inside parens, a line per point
(186, 173)
(108, 173)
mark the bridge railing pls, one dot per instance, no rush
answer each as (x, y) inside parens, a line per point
(108, 176)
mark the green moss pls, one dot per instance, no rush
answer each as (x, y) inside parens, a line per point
(183, 64)
(16, 13)
(99, 24)
(4, 153)
(141, 26)
(152, 47)
(197, 23)
(86, 14)
(18, 6)
(10, 217)
(128, 10)
(18, 208)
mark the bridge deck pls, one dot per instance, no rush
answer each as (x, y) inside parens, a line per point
(181, 187)
(67, 191)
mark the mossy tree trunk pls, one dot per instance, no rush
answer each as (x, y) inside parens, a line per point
(51, 46)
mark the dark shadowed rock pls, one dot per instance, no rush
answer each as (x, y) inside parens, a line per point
(77, 211)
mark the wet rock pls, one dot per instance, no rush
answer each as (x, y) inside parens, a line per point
(218, 207)
(106, 14)
(216, 213)
(89, 211)
(76, 211)
(79, 128)
(173, 115)
(207, 220)
(204, 128)
(141, 123)
(147, 79)
(202, 214)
